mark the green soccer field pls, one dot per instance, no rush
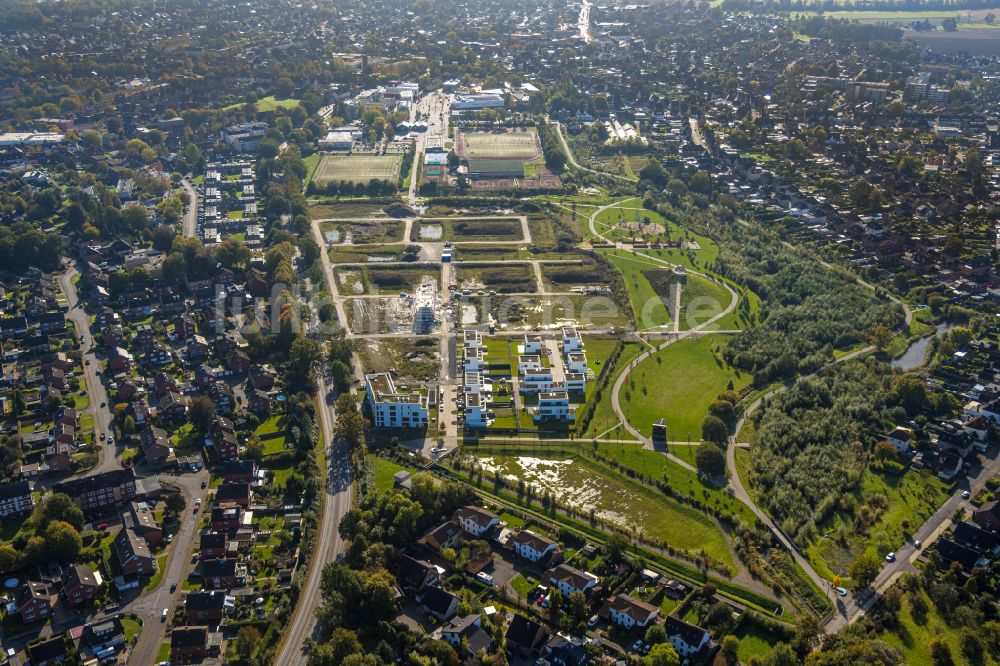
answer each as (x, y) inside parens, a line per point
(485, 145)
(356, 168)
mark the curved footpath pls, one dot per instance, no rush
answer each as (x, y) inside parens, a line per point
(571, 160)
(674, 337)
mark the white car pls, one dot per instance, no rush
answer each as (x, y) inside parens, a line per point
(163, 615)
(966, 494)
(484, 578)
(891, 557)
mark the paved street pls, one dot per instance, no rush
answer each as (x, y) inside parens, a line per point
(99, 405)
(338, 500)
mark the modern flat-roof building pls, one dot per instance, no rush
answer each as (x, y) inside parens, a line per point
(554, 406)
(477, 101)
(10, 139)
(391, 408)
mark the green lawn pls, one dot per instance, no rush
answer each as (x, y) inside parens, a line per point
(648, 306)
(311, 163)
(521, 585)
(604, 416)
(157, 578)
(269, 103)
(755, 641)
(657, 466)
(678, 384)
(384, 471)
(164, 652)
(81, 401)
(912, 638)
(132, 628)
(702, 299)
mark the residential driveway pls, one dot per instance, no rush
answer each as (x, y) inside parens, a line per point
(501, 570)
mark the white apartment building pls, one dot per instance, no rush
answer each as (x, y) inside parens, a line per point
(392, 409)
(536, 380)
(554, 406)
(571, 340)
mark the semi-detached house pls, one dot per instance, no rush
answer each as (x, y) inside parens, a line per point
(476, 521)
(534, 547)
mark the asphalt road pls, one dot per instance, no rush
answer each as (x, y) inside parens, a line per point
(91, 365)
(190, 219)
(338, 500)
(149, 605)
(851, 608)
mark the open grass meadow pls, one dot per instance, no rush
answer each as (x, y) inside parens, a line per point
(913, 635)
(356, 168)
(900, 504)
(648, 306)
(604, 416)
(678, 384)
(588, 485)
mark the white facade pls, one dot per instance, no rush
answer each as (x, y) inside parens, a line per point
(391, 409)
(532, 343)
(575, 382)
(571, 340)
(570, 580)
(527, 362)
(337, 140)
(554, 406)
(475, 411)
(476, 521)
(246, 137)
(536, 381)
(576, 362)
(533, 547)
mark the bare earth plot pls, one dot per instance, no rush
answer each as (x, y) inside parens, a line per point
(356, 168)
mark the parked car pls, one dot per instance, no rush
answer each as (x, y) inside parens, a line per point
(484, 578)
(592, 622)
(966, 494)
(842, 591)
(637, 646)
(891, 557)
(163, 615)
